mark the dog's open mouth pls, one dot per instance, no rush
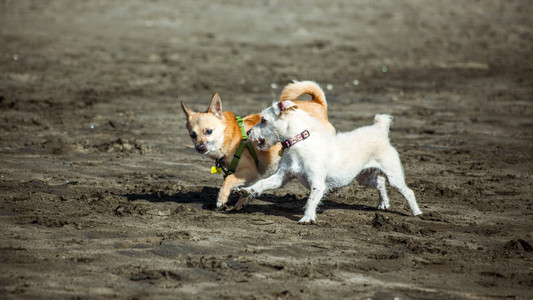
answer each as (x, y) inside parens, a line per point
(260, 142)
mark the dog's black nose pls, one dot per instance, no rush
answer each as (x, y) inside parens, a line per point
(200, 148)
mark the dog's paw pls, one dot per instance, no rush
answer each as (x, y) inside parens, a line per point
(243, 201)
(224, 208)
(242, 192)
(247, 192)
(244, 196)
(220, 205)
(307, 221)
(383, 206)
(416, 212)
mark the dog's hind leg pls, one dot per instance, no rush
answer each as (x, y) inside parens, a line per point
(370, 178)
(392, 167)
(317, 192)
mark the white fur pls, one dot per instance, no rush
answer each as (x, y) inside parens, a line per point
(325, 161)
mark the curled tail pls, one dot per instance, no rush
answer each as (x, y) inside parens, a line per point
(298, 88)
(383, 121)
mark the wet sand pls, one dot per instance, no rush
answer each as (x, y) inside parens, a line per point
(102, 196)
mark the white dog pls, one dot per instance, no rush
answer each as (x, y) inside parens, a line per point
(322, 161)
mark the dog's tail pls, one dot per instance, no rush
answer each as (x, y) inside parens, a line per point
(298, 88)
(383, 121)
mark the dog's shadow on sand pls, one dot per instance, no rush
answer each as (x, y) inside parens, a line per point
(289, 205)
(204, 198)
(292, 206)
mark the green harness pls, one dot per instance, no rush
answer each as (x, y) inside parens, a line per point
(244, 143)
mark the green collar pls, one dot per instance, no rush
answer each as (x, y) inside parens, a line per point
(244, 143)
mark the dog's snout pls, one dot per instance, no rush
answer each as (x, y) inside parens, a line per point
(201, 148)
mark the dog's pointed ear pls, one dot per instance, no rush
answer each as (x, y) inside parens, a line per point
(284, 106)
(216, 106)
(186, 110)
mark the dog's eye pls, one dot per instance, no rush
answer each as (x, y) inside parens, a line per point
(208, 131)
(263, 122)
(193, 135)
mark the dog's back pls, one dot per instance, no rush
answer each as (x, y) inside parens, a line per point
(357, 149)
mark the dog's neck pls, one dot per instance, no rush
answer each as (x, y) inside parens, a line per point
(296, 139)
(299, 122)
(231, 142)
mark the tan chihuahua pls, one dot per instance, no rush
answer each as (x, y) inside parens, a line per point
(217, 134)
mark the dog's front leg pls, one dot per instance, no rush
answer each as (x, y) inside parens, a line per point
(231, 182)
(318, 188)
(277, 180)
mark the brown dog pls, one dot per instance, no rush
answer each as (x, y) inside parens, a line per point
(217, 134)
